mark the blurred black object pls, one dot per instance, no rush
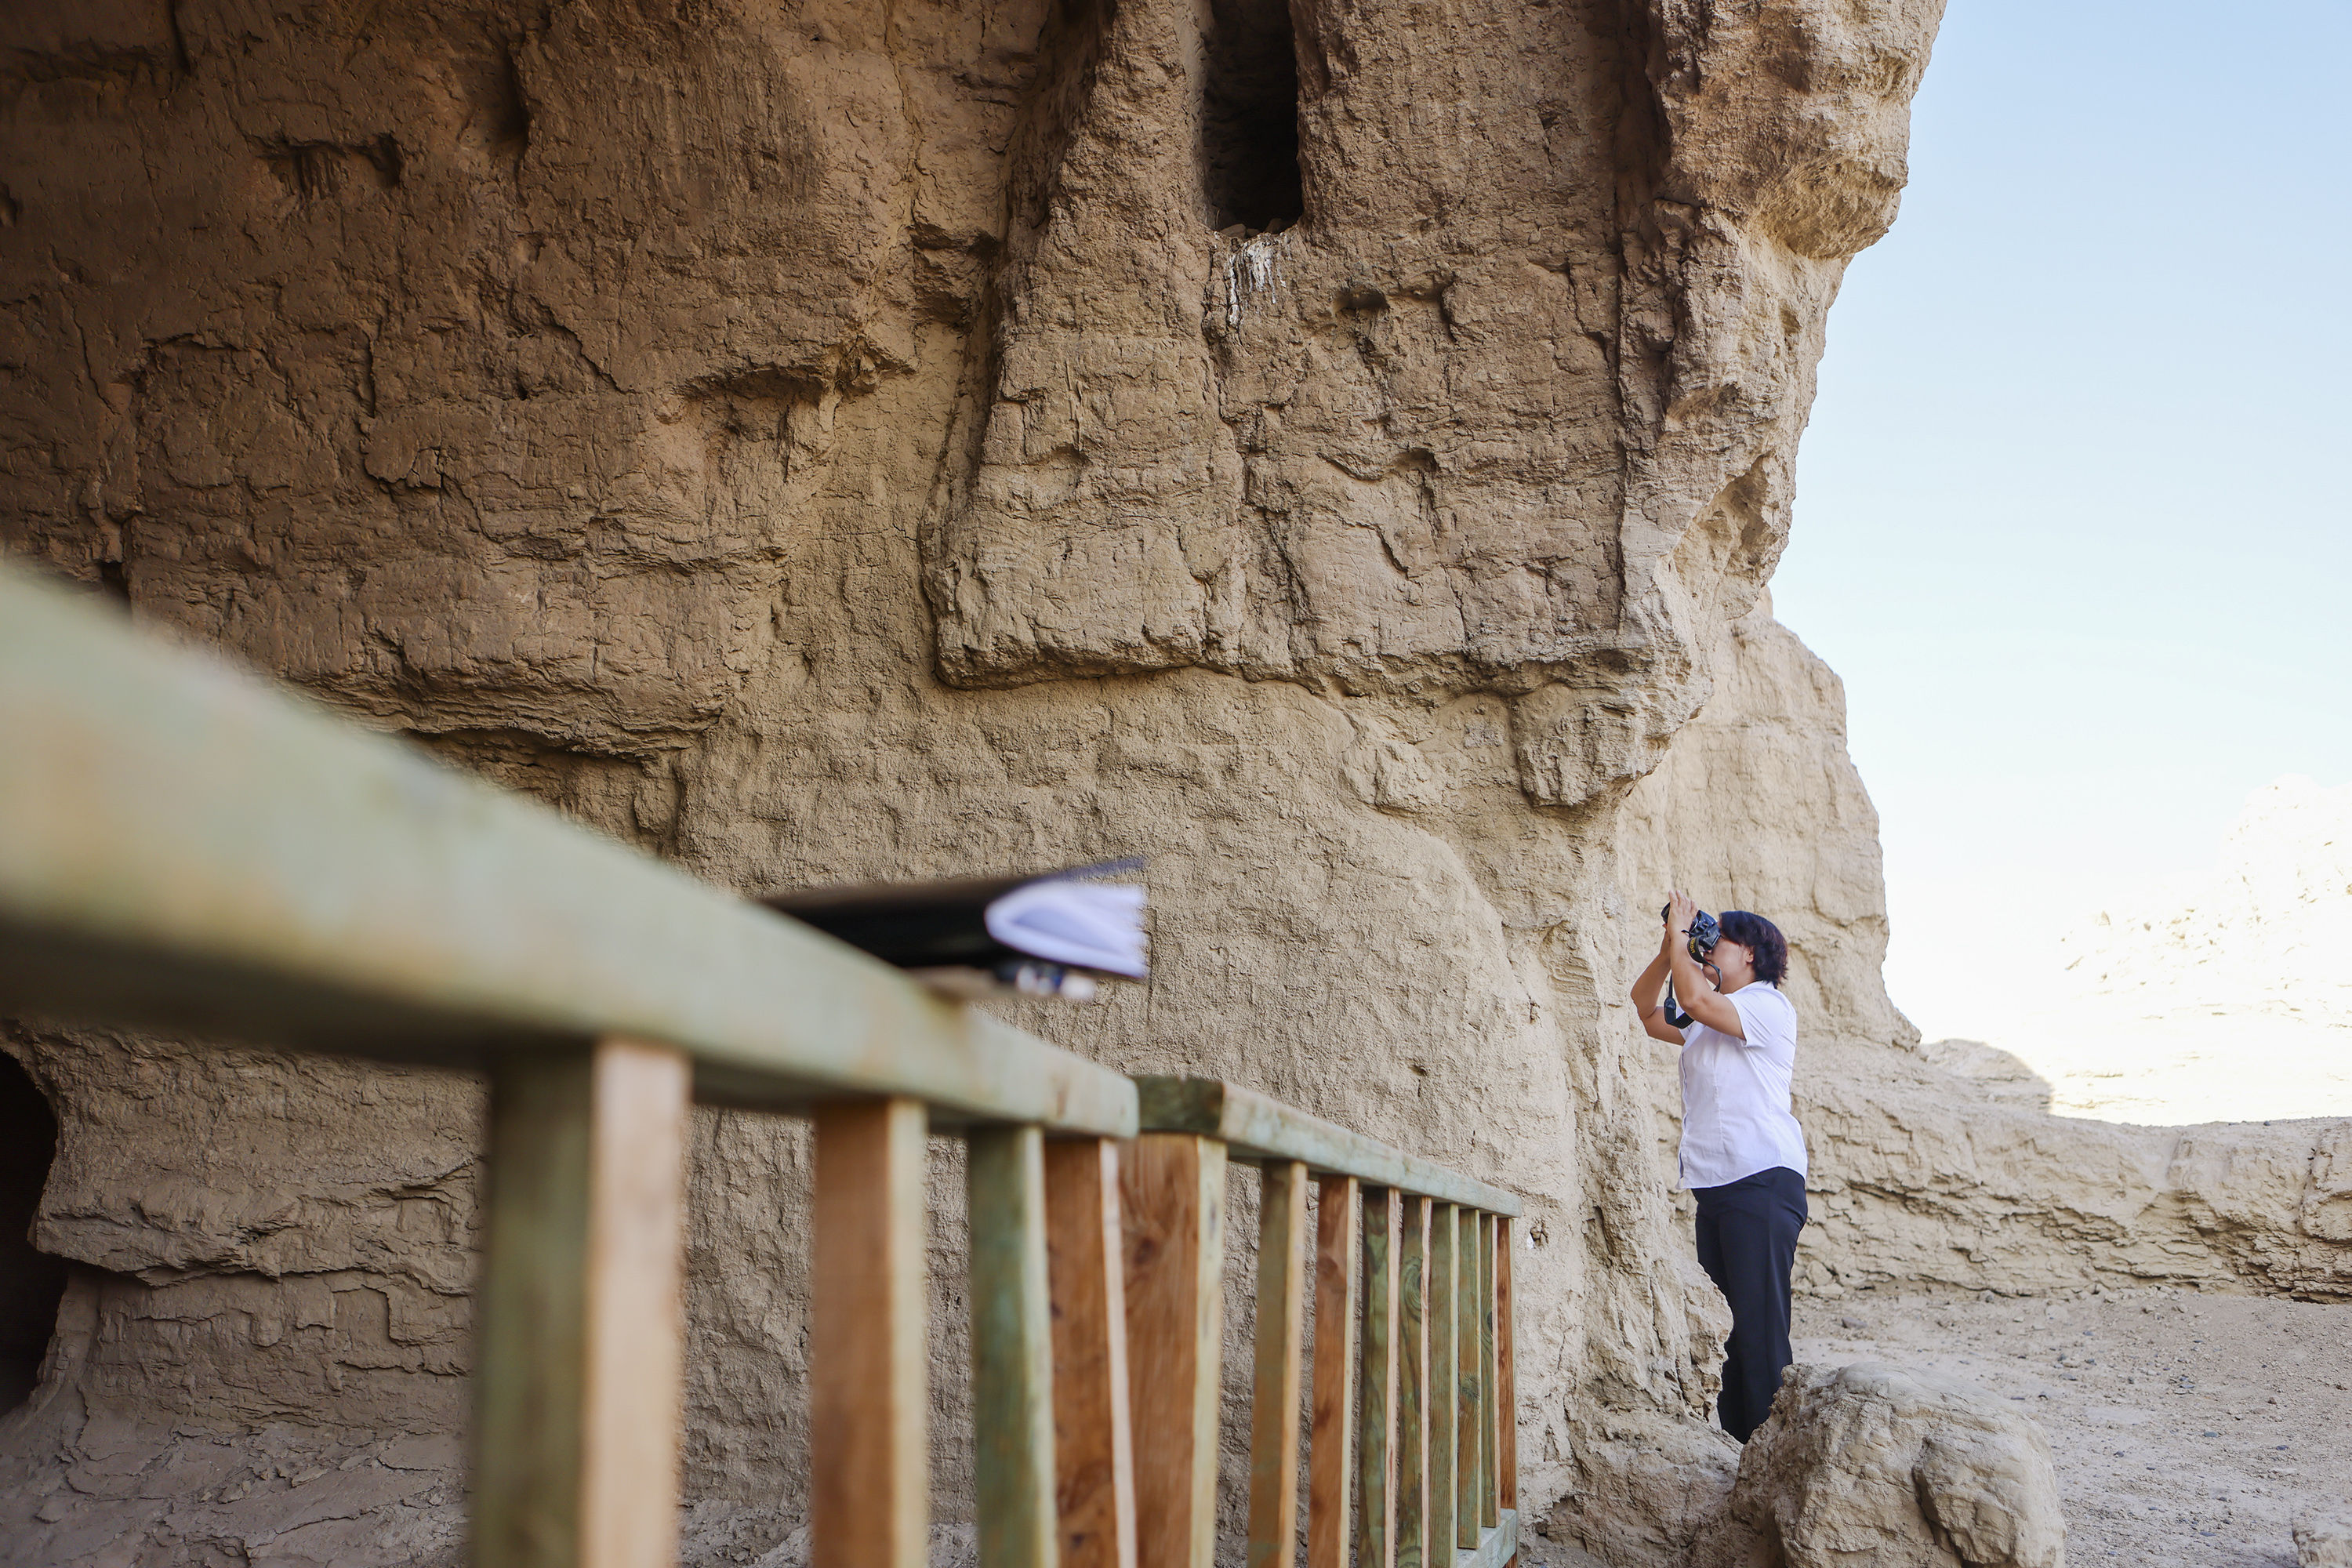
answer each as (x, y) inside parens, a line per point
(1041, 934)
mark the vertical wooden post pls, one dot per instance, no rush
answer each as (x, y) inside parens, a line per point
(1094, 1465)
(1471, 1482)
(1172, 1185)
(1376, 1437)
(1012, 1349)
(1412, 1386)
(1506, 1376)
(1275, 1378)
(1469, 1449)
(1489, 1411)
(868, 1404)
(1332, 1427)
(1471, 1463)
(582, 1325)
(1444, 1379)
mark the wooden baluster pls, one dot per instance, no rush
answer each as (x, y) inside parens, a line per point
(1444, 1378)
(1413, 1385)
(1488, 1411)
(868, 1404)
(1275, 1378)
(1471, 1475)
(1506, 1380)
(1012, 1349)
(1094, 1465)
(1376, 1452)
(1332, 1427)
(1172, 1185)
(582, 1326)
(1468, 1491)
(1469, 1468)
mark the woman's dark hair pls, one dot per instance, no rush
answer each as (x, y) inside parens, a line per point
(1761, 937)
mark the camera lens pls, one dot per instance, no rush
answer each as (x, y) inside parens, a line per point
(1704, 933)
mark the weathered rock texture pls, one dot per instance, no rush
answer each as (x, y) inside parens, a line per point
(824, 441)
(1941, 1167)
(1873, 1464)
(2321, 1541)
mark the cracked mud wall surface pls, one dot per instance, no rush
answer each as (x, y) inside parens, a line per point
(823, 442)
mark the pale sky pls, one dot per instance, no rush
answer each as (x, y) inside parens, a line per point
(2072, 515)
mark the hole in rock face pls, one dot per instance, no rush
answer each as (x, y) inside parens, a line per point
(30, 1280)
(1249, 116)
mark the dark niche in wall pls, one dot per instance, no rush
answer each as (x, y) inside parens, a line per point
(30, 1280)
(1249, 116)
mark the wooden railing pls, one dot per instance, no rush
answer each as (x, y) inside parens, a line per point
(1414, 1398)
(184, 848)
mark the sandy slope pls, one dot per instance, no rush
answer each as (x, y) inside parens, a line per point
(2189, 1430)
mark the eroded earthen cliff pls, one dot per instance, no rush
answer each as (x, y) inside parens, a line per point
(1319, 447)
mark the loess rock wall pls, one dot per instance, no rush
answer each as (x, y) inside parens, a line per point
(1321, 447)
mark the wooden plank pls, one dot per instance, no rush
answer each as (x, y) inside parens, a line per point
(1173, 1191)
(1444, 1362)
(1470, 1384)
(1256, 1128)
(1276, 1371)
(1412, 1385)
(636, 1305)
(1507, 1374)
(1376, 1452)
(1331, 1421)
(532, 1332)
(1012, 1349)
(868, 1401)
(582, 1324)
(1489, 1410)
(186, 847)
(1094, 1466)
(1467, 1448)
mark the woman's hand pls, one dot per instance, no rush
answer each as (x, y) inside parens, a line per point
(1701, 997)
(1680, 911)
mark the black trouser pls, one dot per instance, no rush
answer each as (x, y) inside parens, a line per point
(1747, 1244)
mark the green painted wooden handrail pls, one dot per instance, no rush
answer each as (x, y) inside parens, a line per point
(186, 847)
(1256, 1127)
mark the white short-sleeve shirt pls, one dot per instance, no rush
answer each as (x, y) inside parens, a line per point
(1735, 1115)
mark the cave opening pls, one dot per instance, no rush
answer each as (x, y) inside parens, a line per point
(1249, 117)
(31, 1282)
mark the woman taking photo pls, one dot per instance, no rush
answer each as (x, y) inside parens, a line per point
(1743, 1154)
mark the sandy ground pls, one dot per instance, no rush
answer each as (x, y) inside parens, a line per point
(2188, 1430)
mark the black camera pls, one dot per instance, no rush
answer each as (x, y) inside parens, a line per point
(1704, 931)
